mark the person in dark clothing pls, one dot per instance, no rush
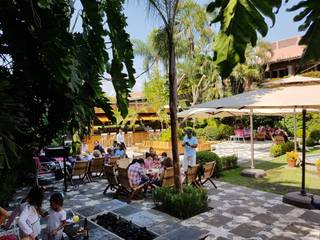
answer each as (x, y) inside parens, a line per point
(97, 146)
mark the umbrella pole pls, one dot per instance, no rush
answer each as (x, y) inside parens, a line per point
(295, 128)
(303, 191)
(251, 139)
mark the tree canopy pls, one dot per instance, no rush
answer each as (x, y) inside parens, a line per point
(52, 76)
(242, 20)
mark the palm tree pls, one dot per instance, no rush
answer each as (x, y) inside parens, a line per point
(167, 11)
(153, 50)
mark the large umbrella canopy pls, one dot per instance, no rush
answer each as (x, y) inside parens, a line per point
(225, 112)
(295, 97)
(284, 97)
(292, 80)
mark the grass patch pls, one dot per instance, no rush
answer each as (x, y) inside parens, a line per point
(280, 178)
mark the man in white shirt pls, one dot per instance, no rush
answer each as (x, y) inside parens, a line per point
(190, 144)
(120, 137)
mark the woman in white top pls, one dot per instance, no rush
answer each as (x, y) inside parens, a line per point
(29, 220)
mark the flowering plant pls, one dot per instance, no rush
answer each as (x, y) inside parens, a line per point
(317, 163)
(293, 155)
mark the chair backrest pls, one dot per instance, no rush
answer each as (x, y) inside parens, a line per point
(110, 174)
(192, 173)
(239, 132)
(97, 165)
(123, 163)
(80, 168)
(114, 160)
(208, 169)
(123, 178)
(278, 139)
(168, 178)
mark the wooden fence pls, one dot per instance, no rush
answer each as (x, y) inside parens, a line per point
(106, 140)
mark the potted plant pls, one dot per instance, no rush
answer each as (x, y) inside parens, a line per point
(292, 158)
(318, 166)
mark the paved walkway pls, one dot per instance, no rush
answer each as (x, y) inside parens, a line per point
(238, 213)
(243, 150)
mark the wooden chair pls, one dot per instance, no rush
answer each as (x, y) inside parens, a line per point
(208, 172)
(260, 136)
(192, 175)
(80, 169)
(126, 186)
(123, 163)
(109, 172)
(168, 178)
(278, 140)
(114, 161)
(97, 166)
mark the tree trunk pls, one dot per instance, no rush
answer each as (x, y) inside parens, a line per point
(173, 109)
(247, 84)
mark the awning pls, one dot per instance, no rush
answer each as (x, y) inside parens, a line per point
(297, 79)
(284, 97)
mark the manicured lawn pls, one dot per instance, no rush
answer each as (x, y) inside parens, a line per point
(280, 178)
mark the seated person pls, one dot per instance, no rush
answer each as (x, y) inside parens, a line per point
(152, 153)
(107, 156)
(115, 146)
(166, 163)
(96, 154)
(120, 152)
(156, 162)
(98, 146)
(136, 173)
(85, 157)
(163, 156)
(148, 162)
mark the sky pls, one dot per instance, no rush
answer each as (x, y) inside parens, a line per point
(140, 23)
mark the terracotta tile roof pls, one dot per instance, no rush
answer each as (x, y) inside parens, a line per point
(286, 49)
(136, 96)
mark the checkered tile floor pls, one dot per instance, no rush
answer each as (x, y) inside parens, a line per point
(238, 213)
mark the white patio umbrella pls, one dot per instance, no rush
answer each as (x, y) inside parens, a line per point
(292, 80)
(221, 113)
(302, 97)
(295, 97)
(225, 112)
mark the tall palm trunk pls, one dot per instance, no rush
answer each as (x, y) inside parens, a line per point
(173, 107)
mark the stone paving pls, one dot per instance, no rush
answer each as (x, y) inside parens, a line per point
(238, 213)
(242, 150)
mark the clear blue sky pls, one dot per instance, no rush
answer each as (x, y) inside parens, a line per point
(140, 23)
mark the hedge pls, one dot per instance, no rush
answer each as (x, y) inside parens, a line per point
(223, 163)
(188, 203)
(280, 149)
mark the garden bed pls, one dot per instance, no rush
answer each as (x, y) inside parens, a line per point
(191, 202)
(123, 228)
(169, 212)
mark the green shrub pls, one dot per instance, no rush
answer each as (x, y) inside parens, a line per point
(207, 156)
(314, 74)
(188, 203)
(280, 149)
(215, 132)
(313, 137)
(287, 147)
(276, 150)
(229, 162)
(166, 135)
(201, 133)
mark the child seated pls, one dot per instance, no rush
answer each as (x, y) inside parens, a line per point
(56, 218)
